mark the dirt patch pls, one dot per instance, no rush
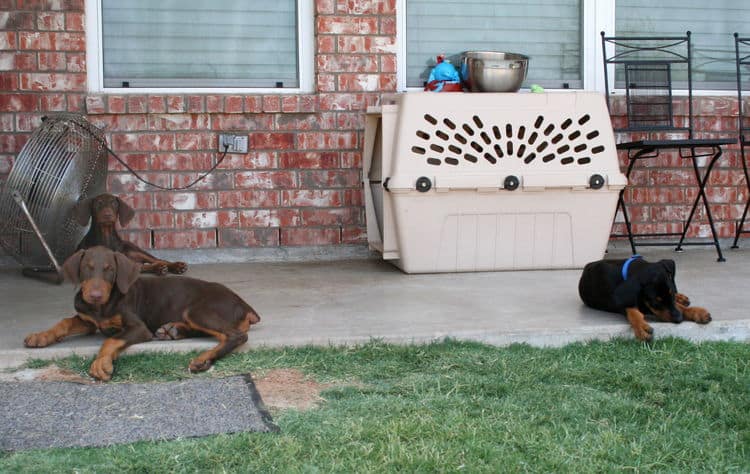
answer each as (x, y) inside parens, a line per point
(289, 388)
(51, 373)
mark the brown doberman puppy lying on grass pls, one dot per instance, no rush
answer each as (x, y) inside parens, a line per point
(130, 310)
(103, 211)
(635, 288)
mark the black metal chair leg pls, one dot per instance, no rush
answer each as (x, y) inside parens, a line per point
(740, 225)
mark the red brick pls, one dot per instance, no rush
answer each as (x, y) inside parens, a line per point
(139, 237)
(347, 63)
(330, 217)
(116, 104)
(309, 160)
(249, 199)
(196, 141)
(196, 104)
(214, 103)
(136, 161)
(254, 104)
(276, 141)
(95, 104)
(314, 198)
(326, 44)
(180, 161)
(206, 219)
(270, 218)
(76, 62)
(137, 104)
(330, 179)
(74, 21)
(265, 180)
(233, 104)
(76, 102)
(15, 20)
(156, 104)
(214, 181)
(52, 62)
(290, 104)
(160, 122)
(325, 7)
(46, 21)
(128, 183)
(308, 236)
(152, 220)
(326, 82)
(307, 121)
(8, 81)
(244, 238)
(175, 104)
(185, 201)
(366, 82)
(19, 102)
(339, 25)
(6, 163)
(250, 161)
(271, 103)
(226, 122)
(8, 40)
(326, 140)
(388, 26)
(185, 239)
(27, 122)
(156, 142)
(353, 235)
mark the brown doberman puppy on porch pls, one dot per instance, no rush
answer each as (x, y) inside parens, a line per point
(130, 310)
(103, 211)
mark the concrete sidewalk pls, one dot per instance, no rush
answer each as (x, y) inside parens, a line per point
(348, 302)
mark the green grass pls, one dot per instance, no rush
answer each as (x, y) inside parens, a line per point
(671, 406)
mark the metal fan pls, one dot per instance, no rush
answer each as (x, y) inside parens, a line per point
(64, 161)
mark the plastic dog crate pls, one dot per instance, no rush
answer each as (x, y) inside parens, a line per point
(480, 182)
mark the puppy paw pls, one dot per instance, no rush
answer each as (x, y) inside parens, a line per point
(39, 339)
(177, 268)
(168, 332)
(160, 268)
(679, 298)
(200, 365)
(101, 369)
(696, 314)
(644, 332)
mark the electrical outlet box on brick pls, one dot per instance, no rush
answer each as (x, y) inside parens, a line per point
(233, 143)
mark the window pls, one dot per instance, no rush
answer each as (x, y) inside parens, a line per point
(200, 44)
(561, 37)
(548, 32)
(711, 24)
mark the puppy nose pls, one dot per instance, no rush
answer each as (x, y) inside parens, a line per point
(96, 295)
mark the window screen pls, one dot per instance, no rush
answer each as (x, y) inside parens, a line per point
(200, 43)
(548, 31)
(711, 23)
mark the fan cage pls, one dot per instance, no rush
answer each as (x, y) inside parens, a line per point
(64, 161)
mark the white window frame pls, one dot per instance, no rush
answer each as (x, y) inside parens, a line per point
(305, 58)
(598, 16)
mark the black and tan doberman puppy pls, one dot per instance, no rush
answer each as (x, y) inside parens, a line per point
(129, 309)
(635, 287)
(104, 211)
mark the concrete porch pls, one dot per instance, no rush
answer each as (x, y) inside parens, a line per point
(352, 301)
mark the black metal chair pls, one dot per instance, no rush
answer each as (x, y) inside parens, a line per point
(645, 68)
(742, 54)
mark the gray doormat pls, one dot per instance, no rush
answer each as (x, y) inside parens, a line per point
(64, 414)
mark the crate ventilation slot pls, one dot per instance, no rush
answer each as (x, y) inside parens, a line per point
(454, 142)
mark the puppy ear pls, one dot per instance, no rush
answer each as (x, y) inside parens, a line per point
(82, 211)
(127, 272)
(669, 266)
(124, 212)
(626, 294)
(72, 267)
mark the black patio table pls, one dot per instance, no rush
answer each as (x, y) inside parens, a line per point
(642, 149)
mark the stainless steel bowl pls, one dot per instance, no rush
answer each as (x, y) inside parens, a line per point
(492, 71)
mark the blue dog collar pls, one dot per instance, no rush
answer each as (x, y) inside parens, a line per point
(627, 264)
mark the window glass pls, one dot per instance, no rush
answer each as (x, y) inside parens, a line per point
(199, 43)
(548, 31)
(711, 24)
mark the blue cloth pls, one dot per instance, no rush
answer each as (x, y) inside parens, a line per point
(627, 264)
(444, 72)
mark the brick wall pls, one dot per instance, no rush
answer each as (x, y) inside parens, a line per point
(300, 184)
